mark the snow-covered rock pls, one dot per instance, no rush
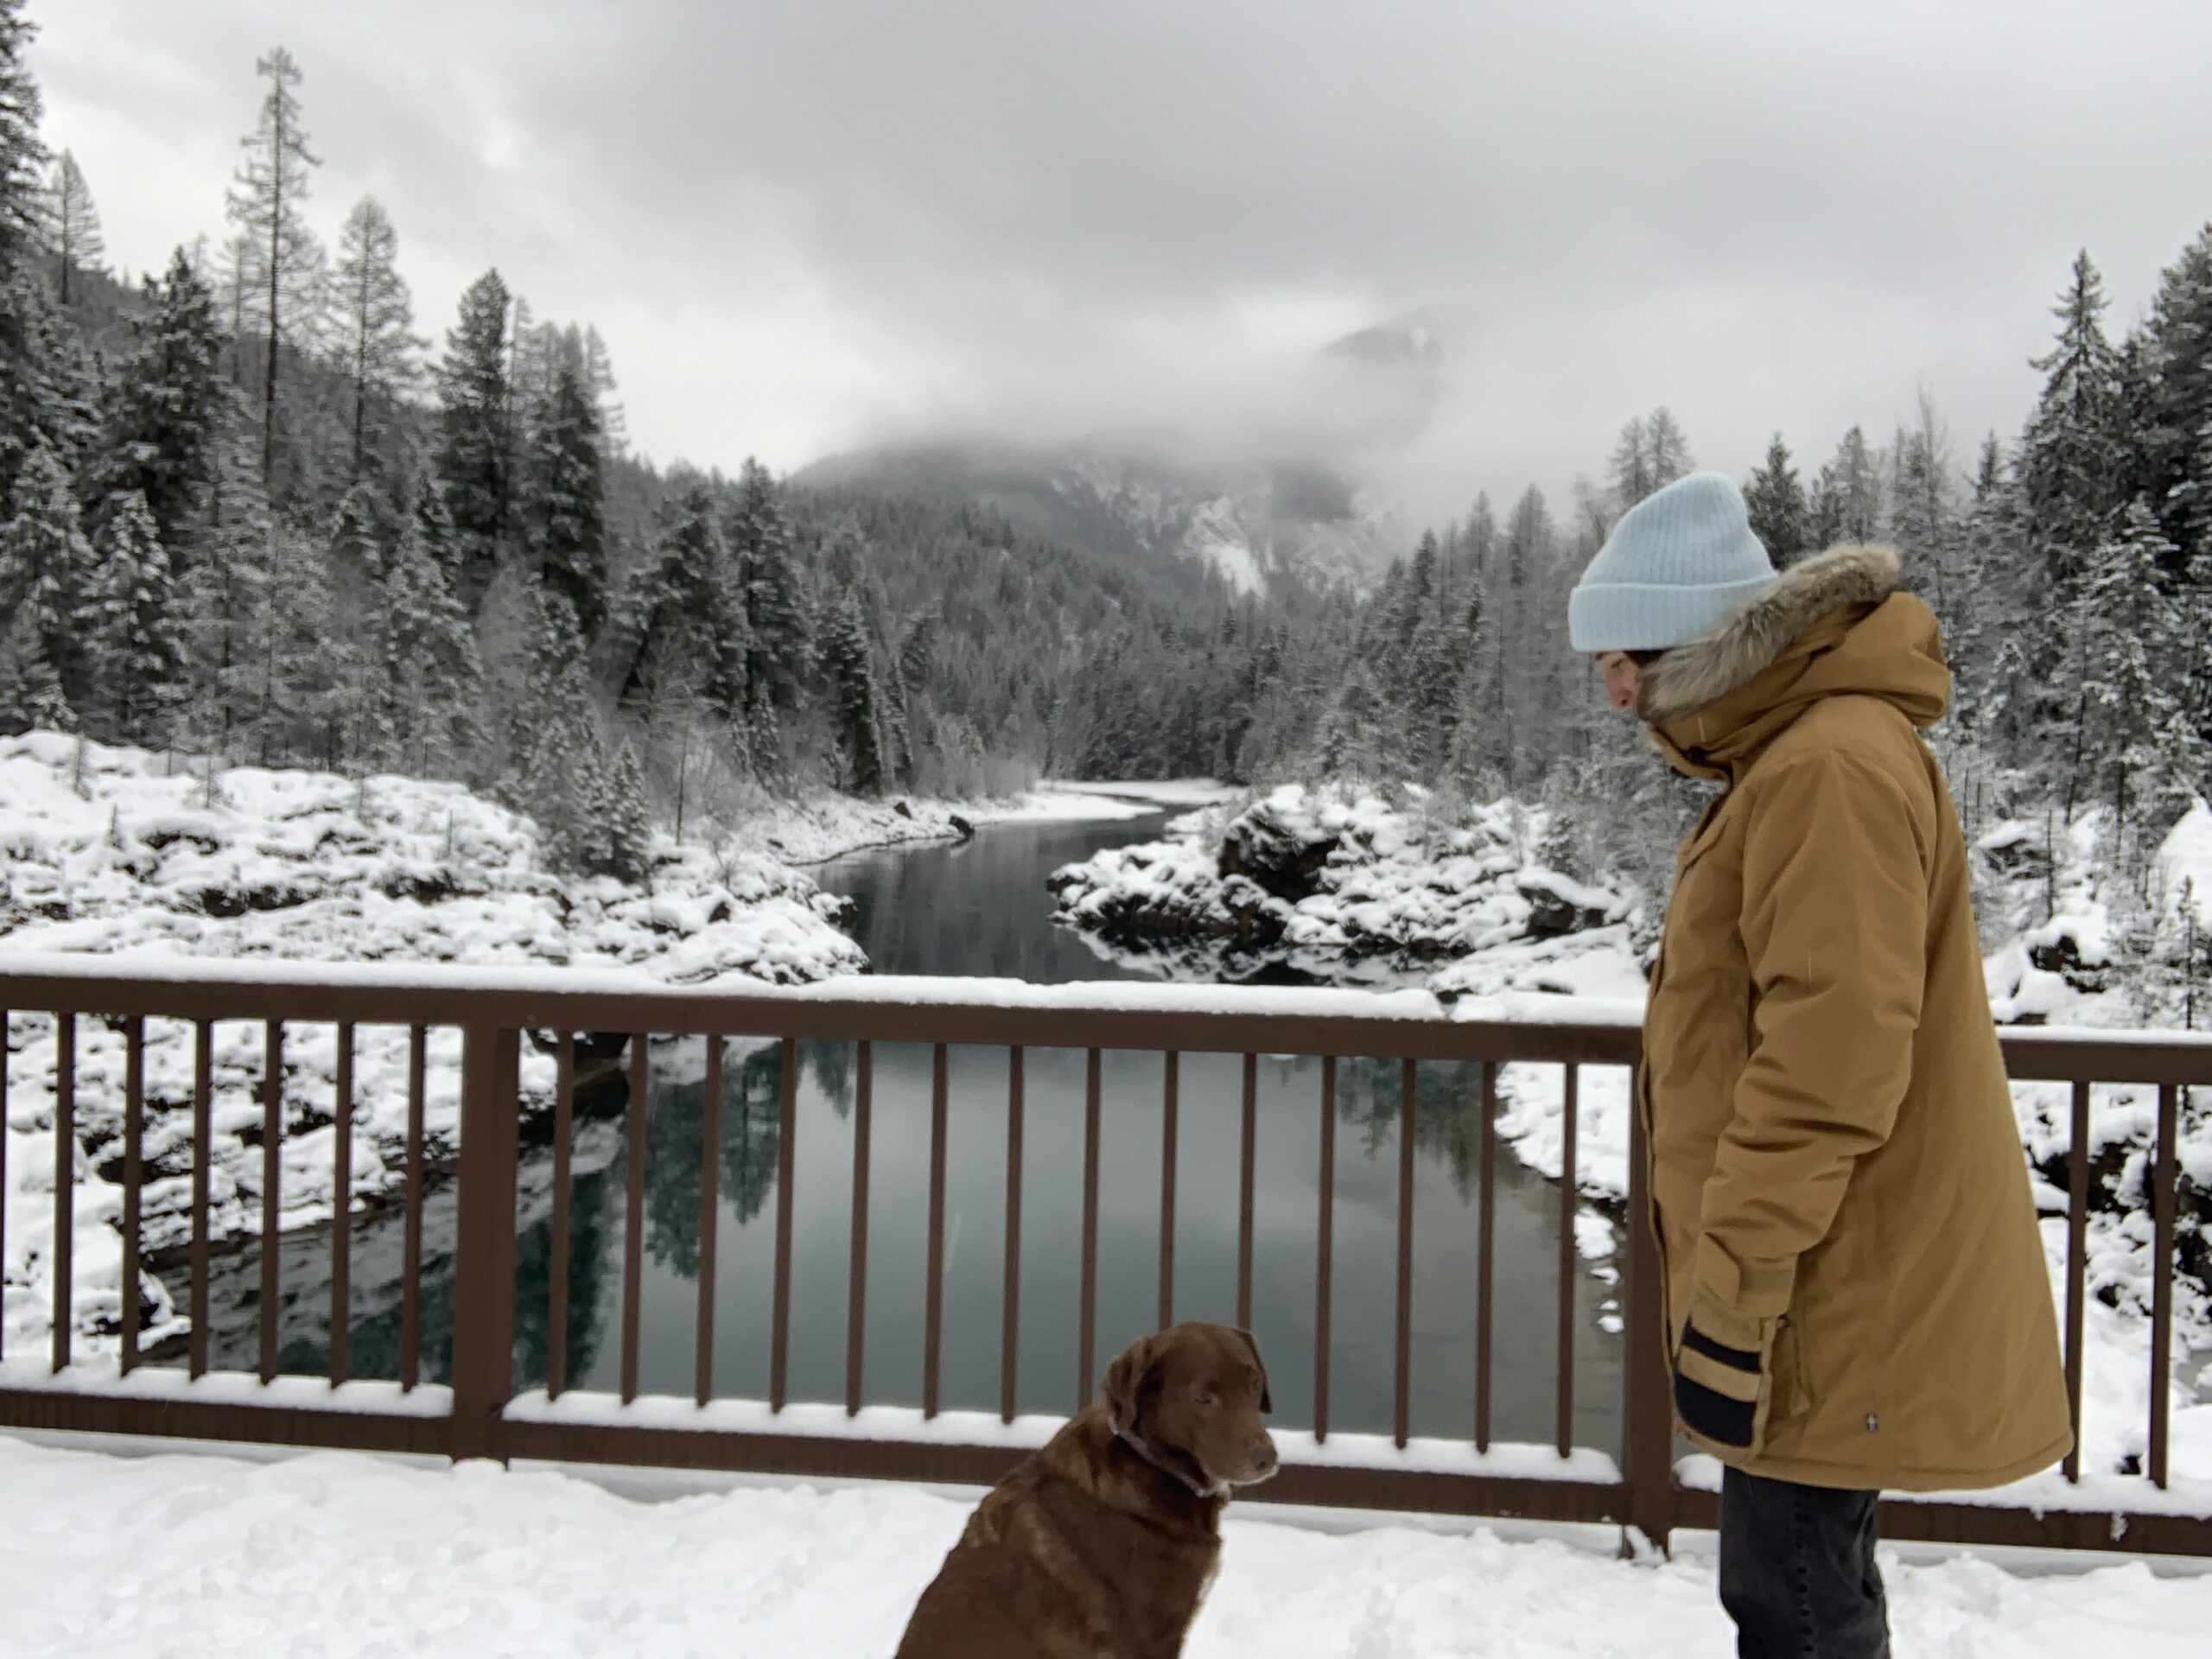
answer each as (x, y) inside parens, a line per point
(1329, 881)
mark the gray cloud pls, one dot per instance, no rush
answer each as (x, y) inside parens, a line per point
(800, 225)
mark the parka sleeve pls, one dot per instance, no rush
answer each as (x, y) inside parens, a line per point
(1834, 927)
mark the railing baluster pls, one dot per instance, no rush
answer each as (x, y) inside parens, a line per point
(411, 1270)
(1010, 1304)
(1087, 1337)
(1171, 1088)
(633, 1213)
(2077, 1256)
(779, 1349)
(272, 1198)
(933, 1292)
(484, 1240)
(2162, 1278)
(1324, 1239)
(556, 1289)
(1570, 1100)
(341, 1211)
(5, 1018)
(710, 1147)
(1647, 1376)
(65, 1183)
(1244, 1176)
(134, 1123)
(856, 1310)
(1402, 1393)
(1486, 1257)
(203, 1093)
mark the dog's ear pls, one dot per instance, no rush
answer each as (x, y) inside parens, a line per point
(1125, 1381)
(1267, 1395)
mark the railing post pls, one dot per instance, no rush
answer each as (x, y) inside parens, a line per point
(484, 1241)
(1647, 1379)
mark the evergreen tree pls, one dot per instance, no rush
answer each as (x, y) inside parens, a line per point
(2069, 460)
(1847, 502)
(2176, 434)
(1780, 517)
(599, 375)
(158, 437)
(569, 532)
(849, 669)
(2132, 645)
(268, 205)
(134, 662)
(22, 212)
(472, 452)
(1923, 520)
(430, 680)
(776, 666)
(378, 319)
(1670, 456)
(73, 223)
(46, 575)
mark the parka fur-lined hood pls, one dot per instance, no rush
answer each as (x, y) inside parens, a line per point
(1749, 638)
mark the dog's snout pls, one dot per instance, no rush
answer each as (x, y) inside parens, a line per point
(1264, 1458)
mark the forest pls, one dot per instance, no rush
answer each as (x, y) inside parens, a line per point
(252, 516)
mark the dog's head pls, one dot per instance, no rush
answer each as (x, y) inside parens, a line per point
(1195, 1396)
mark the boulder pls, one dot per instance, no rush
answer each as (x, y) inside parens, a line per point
(1281, 856)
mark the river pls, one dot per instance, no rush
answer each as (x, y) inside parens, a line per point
(981, 908)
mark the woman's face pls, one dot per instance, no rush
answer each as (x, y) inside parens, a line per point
(1624, 678)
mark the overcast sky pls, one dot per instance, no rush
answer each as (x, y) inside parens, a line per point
(801, 224)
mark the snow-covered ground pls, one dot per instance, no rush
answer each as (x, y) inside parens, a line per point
(338, 1555)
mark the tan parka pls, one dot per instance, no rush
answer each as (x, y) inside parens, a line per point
(1837, 1174)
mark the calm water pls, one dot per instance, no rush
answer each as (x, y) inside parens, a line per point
(982, 909)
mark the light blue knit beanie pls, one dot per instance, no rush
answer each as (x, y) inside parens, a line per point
(1679, 561)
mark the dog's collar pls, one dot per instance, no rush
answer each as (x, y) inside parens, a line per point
(1135, 1443)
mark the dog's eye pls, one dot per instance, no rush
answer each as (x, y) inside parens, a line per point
(1208, 1397)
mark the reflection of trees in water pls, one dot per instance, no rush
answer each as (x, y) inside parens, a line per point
(830, 1065)
(751, 1140)
(592, 1228)
(1447, 1111)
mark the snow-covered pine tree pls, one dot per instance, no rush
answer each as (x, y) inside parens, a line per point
(430, 680)
(268, 203)
(568, 509)
(1669, 448)
(1780, 515)
(626, 831)
(1924, 511)
(777, 666)
(377, 325)
(2131, 651)
(682, 607)
(2175, 438)
(157, 439)
(72, 225)
(134, 660)
(472, 452)
(22, 212)
(847, 666)
(599, 375)
(1847, 501)
(1632, 473)
(45, 574)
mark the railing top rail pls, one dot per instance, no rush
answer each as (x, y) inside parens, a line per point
(1140, 1014)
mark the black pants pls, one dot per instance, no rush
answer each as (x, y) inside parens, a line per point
(1797, 1571)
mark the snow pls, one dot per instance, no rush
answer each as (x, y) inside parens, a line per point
(1170, 791)
(815, 830)
(343, 1553)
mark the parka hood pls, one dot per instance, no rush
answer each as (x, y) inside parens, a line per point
(1833, 625)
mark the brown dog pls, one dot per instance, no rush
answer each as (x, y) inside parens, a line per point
(1102, 1545)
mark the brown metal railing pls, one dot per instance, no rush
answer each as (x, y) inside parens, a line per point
(492, 1013)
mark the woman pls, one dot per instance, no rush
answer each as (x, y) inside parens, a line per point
(1856, 1296)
